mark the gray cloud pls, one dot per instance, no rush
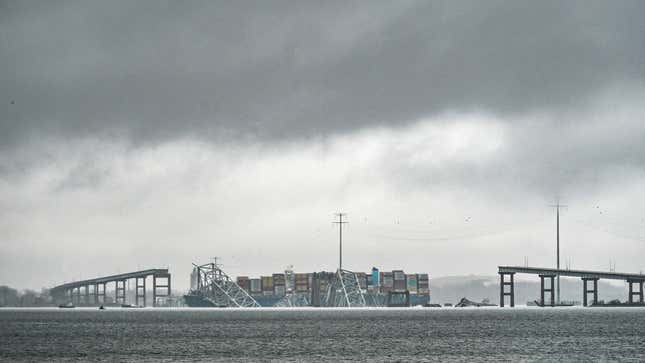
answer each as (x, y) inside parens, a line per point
(185, 124)
(154, 70)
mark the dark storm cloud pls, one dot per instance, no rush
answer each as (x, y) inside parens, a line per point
(158, 70)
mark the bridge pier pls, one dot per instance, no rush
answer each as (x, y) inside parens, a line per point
(638, 293)
(100, 296)
(86, 298)
(502, 289)
(550, 290)
(78, 296)
(119, 291)
(156, 285)
(140, 290)
(586, 291)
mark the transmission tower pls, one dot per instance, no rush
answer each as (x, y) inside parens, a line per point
(557, 207)
(344, 289)
(340, 223)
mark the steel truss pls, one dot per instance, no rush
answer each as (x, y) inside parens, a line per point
(345, 291)
(294, 299)
(216, 286)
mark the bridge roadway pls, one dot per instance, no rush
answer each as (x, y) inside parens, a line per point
(550, 273)
(71, 291)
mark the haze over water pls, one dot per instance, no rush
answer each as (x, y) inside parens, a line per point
(482, 334)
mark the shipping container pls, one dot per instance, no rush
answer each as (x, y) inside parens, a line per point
(278, 280)
(279, 290)
(387, 282)
(302, 282)
(398, 275)
(243, 282)
(411, 282)
(424, 284)
(267, 283)
(387, 279)
(375, 277)
(399, 285)
(302, 288)
(256, 285)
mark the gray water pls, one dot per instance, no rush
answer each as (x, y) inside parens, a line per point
(445, 334)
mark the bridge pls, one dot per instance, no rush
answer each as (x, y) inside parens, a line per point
(95, 289)
(551, 273)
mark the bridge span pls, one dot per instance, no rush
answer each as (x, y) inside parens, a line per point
(95, 289)
(550, 274)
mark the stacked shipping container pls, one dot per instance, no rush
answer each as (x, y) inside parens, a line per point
(279, 285)
(302, 282)
(244, 282)
(411, 283)
(387, 281)
(390, 281)
(423, 284)
(399, 280)
(267, 285)
(256, 286)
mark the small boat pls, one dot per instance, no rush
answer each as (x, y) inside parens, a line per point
(101, 307)
(69, 305)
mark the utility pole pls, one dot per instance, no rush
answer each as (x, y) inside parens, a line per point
(340, 223)
(557, 238)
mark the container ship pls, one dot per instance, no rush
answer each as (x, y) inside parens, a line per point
(378, 288)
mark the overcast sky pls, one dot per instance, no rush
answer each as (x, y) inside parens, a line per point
(142, 134)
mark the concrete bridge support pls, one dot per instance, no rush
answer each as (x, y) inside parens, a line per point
(156, 285)
(95, 288)
(502, 288)
(586, 291)
(633, 293)
(119, 292)
(86, 298)
(550, 290)
(100, 294)
(140, 291)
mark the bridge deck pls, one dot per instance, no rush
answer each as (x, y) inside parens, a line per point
(572, 273)
(119, 277)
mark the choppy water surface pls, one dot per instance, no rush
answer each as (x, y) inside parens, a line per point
(560, 334)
